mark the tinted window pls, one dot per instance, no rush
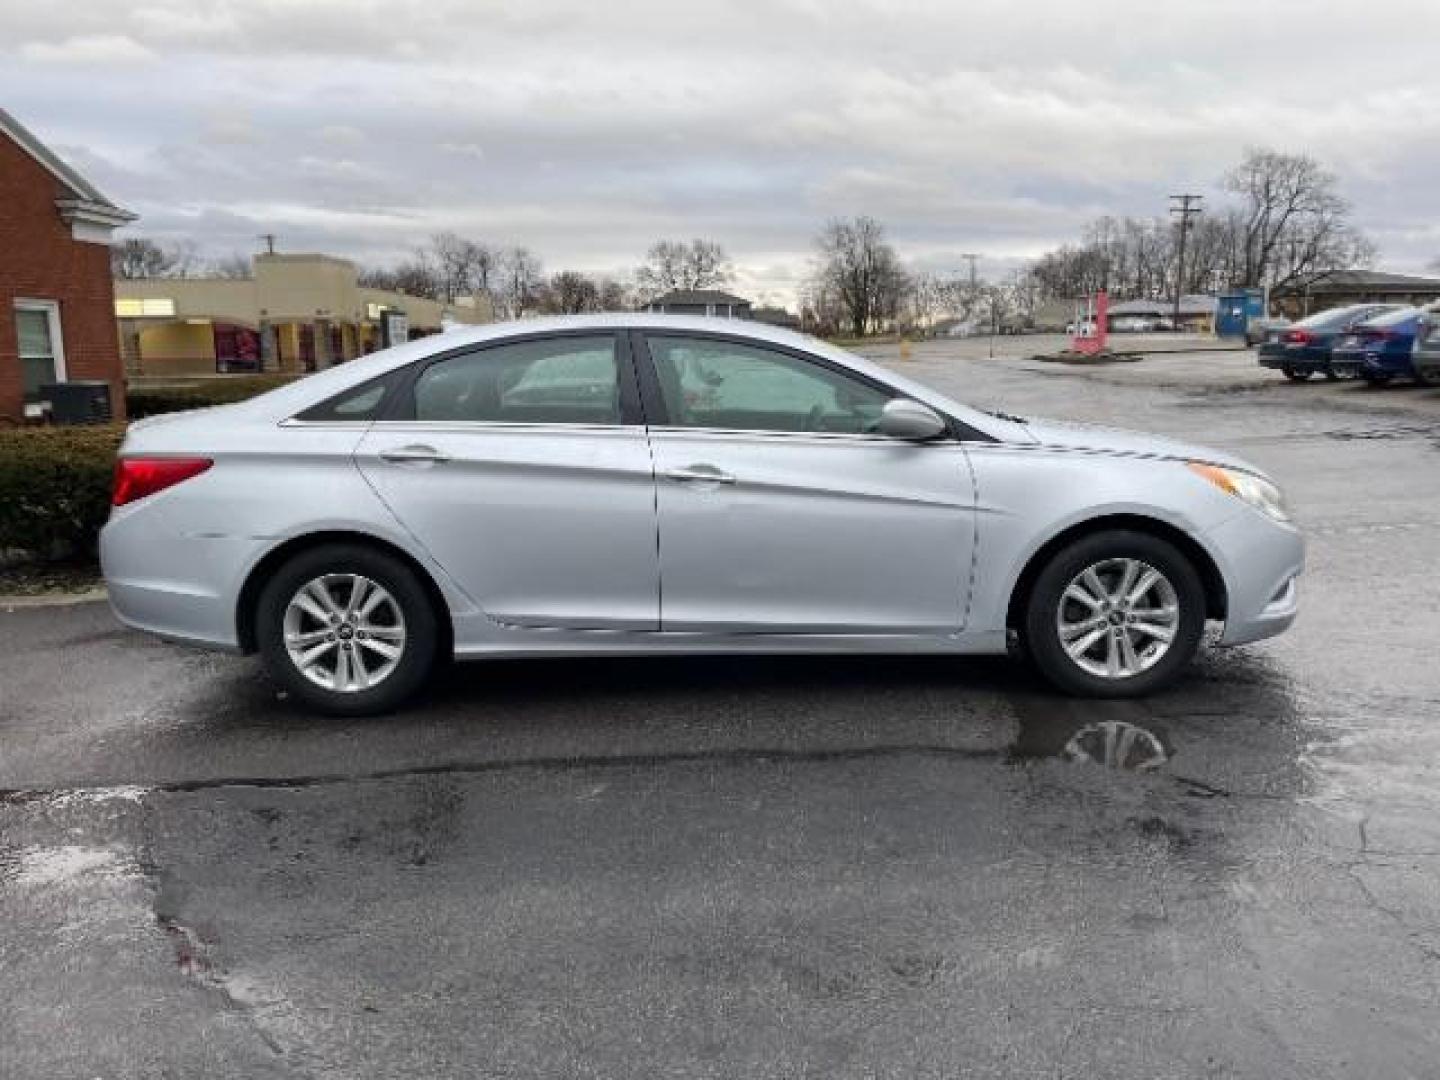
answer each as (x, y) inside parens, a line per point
(1394, 318)
(568, 380)
(357, 405)
(720, 384)
(1332, 319)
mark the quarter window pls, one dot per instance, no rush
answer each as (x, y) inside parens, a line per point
(708, 383)
(570, 380)
(37, 329)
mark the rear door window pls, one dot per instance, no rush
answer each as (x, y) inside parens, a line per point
(560, 380)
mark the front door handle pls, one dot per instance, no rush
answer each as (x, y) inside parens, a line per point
(414, 455)
(700, 474)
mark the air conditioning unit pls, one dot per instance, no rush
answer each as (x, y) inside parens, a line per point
(84, 401)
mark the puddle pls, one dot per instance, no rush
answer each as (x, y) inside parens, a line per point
(1087, 733)
(1117, 745)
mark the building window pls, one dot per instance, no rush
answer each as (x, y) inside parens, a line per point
(135, 308)
(42, 351)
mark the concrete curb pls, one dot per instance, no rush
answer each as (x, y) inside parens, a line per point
(53, 599)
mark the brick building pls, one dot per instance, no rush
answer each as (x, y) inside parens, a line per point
(57, 303)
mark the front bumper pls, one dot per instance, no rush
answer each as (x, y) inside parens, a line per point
(1261, 561)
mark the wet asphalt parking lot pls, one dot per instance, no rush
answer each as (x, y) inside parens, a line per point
(879, 867)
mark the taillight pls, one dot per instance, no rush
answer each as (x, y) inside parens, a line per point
(1298, 337)
(141, 477)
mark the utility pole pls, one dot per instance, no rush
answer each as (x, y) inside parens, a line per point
(974, 280)
(1186, 207)
(972, 258)
(269, 239)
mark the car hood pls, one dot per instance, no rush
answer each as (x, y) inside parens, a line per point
(1115, 442)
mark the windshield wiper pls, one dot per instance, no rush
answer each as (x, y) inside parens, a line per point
(1006, 416)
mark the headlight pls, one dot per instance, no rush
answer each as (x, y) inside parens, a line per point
(1247, 487)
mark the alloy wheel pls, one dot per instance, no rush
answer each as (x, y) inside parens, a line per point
(344, 632)
(1118, 618)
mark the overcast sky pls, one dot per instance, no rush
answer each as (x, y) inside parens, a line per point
(585, 130)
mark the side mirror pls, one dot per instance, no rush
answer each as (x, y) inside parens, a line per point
(903, 418)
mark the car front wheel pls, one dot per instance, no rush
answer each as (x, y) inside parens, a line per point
(347, 630)
(1115, 614)
(1295, 374)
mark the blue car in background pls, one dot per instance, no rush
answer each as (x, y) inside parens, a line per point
(1380, 349)
(1303, 348)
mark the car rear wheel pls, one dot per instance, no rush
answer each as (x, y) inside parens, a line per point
(1115, 614)
(1427, 376)
(347, 630)
(1295, 374)
(1376, 380)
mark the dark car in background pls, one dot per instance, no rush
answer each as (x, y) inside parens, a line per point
(1259, 330)
(1302, 349)
(1426, 358)
(1380, 348)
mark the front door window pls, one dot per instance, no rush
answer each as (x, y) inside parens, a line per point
(712, 383)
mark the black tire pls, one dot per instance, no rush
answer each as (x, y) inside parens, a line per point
(1042, 635)
(1332, 375)
(1376, 381)
(1296, 374)
(1427, 376)
(420, 647)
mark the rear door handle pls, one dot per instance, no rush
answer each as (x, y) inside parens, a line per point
(414, 455)
(700, 474)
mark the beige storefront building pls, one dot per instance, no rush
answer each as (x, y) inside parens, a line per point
(294, 313)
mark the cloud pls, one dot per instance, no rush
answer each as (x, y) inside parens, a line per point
(586, 131)
(89, 49)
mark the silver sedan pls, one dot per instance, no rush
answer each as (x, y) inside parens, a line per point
(641, 484)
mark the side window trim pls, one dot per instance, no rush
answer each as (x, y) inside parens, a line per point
(653, 398)
(401, 408)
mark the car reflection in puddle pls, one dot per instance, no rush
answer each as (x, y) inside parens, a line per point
(1117, 745)
(1072, 732)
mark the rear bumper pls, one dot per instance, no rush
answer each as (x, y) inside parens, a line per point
(1261, 561)
(1373, 365)
(1296, 360)
(175, 586)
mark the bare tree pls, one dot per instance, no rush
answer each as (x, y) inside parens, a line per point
(859, 271)
(1295, 223)
(518, 282)
(140, 257)
(614, 295)
(571, 292)
(674, 264)
(414, 277)
(233, 267)
(462, 267)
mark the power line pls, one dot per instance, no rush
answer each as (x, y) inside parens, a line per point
(1186, 207)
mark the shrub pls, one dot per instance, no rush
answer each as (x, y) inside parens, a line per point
(55, 488)
(141, 402)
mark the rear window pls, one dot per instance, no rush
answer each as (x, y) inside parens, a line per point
(1326, 320)
(1394, 318)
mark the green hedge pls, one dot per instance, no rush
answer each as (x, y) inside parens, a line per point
(141, 401)
(55, 488)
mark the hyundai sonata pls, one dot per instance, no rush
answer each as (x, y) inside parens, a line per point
(643, 484)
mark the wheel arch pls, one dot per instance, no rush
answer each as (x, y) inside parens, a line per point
(1216, 595)
(260, 573)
